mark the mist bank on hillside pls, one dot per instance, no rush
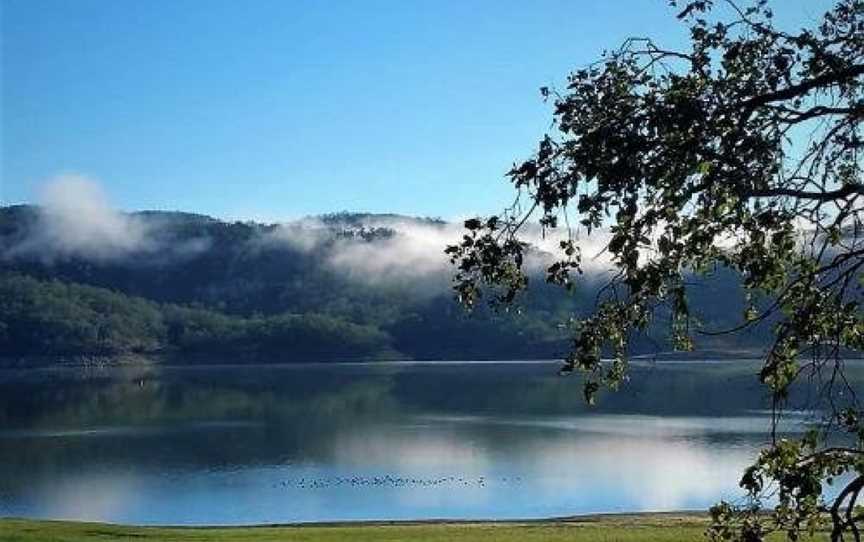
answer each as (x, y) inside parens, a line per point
(75, 222)
(386, 273)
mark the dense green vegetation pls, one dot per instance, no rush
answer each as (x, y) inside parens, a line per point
(197, 286)
(52, 317)
(642, 528)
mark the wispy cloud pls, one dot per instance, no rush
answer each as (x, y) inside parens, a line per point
(413, 254)
(76, 220)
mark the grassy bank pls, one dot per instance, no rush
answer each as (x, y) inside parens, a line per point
(642, 528)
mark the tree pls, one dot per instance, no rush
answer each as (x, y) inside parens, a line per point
(743, 152)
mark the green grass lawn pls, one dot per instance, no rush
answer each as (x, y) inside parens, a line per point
(647, 528)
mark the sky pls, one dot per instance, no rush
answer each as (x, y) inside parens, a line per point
(274, 110)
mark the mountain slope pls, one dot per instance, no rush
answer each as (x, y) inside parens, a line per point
(378, 283)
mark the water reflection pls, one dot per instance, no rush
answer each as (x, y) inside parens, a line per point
(279, 444)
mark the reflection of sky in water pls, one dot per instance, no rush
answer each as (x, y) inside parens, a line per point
(416, 470)
(636, 425)
(353, 451)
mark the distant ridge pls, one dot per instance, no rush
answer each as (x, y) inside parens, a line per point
(386, 274)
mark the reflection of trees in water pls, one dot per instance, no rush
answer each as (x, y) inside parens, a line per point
(266, 415)
(679, 389)
(173, 420)
(342, 395)
(165, 396)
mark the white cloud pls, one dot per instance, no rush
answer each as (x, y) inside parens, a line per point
(76, 220)
(414, 255)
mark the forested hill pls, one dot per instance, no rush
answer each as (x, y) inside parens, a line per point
(334, 287)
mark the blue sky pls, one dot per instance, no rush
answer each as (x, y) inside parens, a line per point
(279, 109)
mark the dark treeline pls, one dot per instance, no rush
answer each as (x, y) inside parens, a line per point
(53, 317)
(192, 284)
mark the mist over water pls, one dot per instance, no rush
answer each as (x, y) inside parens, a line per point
(236, 445)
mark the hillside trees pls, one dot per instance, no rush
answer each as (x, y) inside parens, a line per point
(57, 318)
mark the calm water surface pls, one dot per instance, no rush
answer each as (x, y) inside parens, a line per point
(268, 444)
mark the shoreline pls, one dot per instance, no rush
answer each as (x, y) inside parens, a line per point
(603, 517)
(640, 527)
(173, 362)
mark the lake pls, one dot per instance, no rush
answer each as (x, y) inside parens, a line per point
(273, 444)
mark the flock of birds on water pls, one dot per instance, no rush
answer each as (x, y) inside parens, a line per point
(388, 481)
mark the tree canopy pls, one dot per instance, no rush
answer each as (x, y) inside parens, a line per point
(742, 152)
